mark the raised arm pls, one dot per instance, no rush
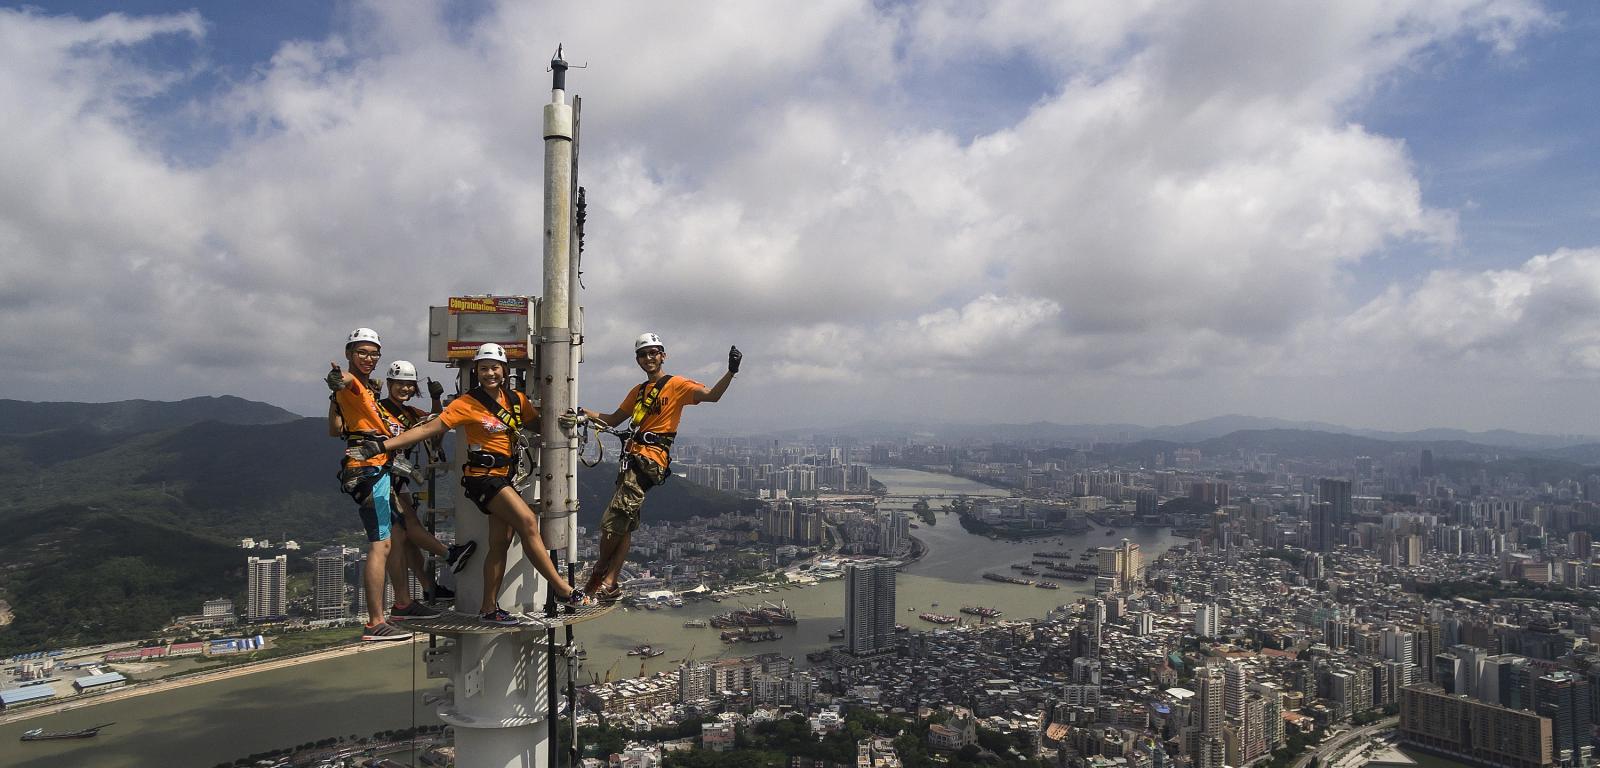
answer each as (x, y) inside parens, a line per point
(712, 395)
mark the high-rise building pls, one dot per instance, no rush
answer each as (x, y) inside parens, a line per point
(1322, 534)
(1146, 503)
(1504, 680)
(1238, 680)
(1252, 721)
(1485, 734)
(1207, 620)
(1564, 698)
(1109, 560)
(328, 601)
(1336, 492)
(1132, 565)
(869, 606)
(1210, 699)
(268, 587)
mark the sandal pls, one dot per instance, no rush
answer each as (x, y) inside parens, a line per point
(609, 594)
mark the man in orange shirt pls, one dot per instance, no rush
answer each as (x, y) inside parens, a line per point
(354, 414)
(654, 407)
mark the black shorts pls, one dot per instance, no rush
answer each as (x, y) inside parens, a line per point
(481, 488)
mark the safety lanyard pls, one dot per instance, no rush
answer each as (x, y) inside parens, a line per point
(647, 401)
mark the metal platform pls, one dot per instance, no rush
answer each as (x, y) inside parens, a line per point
(453, 623)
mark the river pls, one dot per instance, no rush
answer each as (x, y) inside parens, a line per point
(206, 724)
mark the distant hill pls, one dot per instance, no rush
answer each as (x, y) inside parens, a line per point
(20, 417)
(1192, 432)
(112, 530)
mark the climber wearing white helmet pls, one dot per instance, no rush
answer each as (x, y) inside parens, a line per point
(654, 408)
(402, 386)
(493, 417)
(354, 414)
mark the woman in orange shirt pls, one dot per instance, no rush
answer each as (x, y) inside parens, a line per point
(493, 455)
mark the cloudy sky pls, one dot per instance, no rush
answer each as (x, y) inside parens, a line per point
(1376, 213)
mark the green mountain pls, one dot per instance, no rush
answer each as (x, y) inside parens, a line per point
(20, 417)
(120, 516)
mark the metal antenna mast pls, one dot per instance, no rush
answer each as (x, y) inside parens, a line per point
(504, 695)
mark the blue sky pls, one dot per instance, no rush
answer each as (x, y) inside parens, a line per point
(1149, 212)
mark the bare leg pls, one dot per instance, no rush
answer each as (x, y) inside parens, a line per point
(416, 531)
(419, 566)
(510, 508)
(611, 550)
(395, 564)
(372, 573)
(618, 557)
(494, 563)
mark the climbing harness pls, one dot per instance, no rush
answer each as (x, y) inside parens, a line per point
(520, 460)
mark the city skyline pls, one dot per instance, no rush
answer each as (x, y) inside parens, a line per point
(1379, 216)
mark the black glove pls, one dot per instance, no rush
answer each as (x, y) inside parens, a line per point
(435, 389)
(365, 449)
(335, 379)
(734, 358)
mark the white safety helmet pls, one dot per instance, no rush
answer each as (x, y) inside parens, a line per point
(490, 351)
(360, 335)
(647, 340)
(401, 370)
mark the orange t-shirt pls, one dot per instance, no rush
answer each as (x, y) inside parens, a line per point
(358, 407)
(484, 431)
(663, 416)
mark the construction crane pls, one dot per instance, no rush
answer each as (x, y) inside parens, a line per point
(610, 669)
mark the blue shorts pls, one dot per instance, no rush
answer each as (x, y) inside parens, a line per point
(373, 492)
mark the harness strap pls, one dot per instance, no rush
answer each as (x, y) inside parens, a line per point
(512, 418)
(400, 413)
(647, 402)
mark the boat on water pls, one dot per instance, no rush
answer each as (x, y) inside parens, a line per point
(1048, 585)
(1006, 579)
(697, 623)
(645, 651)
(746, 636)
(978, 610)
(768, 615)
(837, 634)
(40, 734)
(937, 618)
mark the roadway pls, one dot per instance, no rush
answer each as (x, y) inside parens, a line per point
(1338, 743)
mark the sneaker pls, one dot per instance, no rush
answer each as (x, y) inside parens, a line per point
(412, 610)
(576, 599)
(501, 617)
(384, 632)
(459, 554)
(439, 593)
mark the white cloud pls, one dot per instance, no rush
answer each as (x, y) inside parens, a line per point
(1539, 320)
(1189, 194)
